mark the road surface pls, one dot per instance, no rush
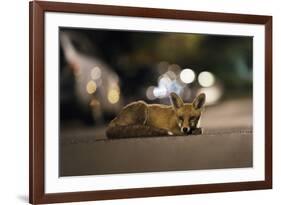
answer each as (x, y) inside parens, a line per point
(231, 148)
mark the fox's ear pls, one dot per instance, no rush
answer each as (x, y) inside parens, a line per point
(176, 100)
(199, 101)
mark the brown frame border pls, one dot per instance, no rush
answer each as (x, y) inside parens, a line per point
(36, 101)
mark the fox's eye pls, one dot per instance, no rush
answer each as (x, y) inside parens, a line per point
(181, 118)
(193, 121)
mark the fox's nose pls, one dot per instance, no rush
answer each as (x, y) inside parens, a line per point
(185, 129)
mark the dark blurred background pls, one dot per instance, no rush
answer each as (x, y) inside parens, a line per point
(103, 70)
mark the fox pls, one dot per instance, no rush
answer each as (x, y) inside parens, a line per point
(139, 119)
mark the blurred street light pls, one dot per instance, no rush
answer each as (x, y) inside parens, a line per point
(96, 73)
(213, 94)
(187, 75)
(113, 95)
(91, 87)
(149, 93)
(206, 79)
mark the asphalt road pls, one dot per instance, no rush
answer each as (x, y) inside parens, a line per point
(215, 149)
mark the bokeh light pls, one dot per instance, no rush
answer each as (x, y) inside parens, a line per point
(187, 75)
(91, 87)
(149, 93)
(171, 75)
(213, 94)
(164, 81)
(160, 92)
(113, 95)
(174, 68)
(95, 73)
(206, 79)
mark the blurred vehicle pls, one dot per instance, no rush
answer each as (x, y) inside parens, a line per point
(94, 84)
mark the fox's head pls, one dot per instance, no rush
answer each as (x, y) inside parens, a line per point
(188, 114)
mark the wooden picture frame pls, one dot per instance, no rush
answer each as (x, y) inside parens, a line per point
(37, 10)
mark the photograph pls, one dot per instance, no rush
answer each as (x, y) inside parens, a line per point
(130, 102)
(143, 101)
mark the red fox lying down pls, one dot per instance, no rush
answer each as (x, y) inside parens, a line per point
(139, 119)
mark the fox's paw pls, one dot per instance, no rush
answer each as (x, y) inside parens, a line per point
(170, 133)
(197, 131)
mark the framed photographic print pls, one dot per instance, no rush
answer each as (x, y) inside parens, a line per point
(140, 102)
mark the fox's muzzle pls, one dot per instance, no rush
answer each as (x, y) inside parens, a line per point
(185, 130)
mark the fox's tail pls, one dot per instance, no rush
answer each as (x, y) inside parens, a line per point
(133, 131)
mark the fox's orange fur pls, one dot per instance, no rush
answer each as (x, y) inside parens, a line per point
(142, 119)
